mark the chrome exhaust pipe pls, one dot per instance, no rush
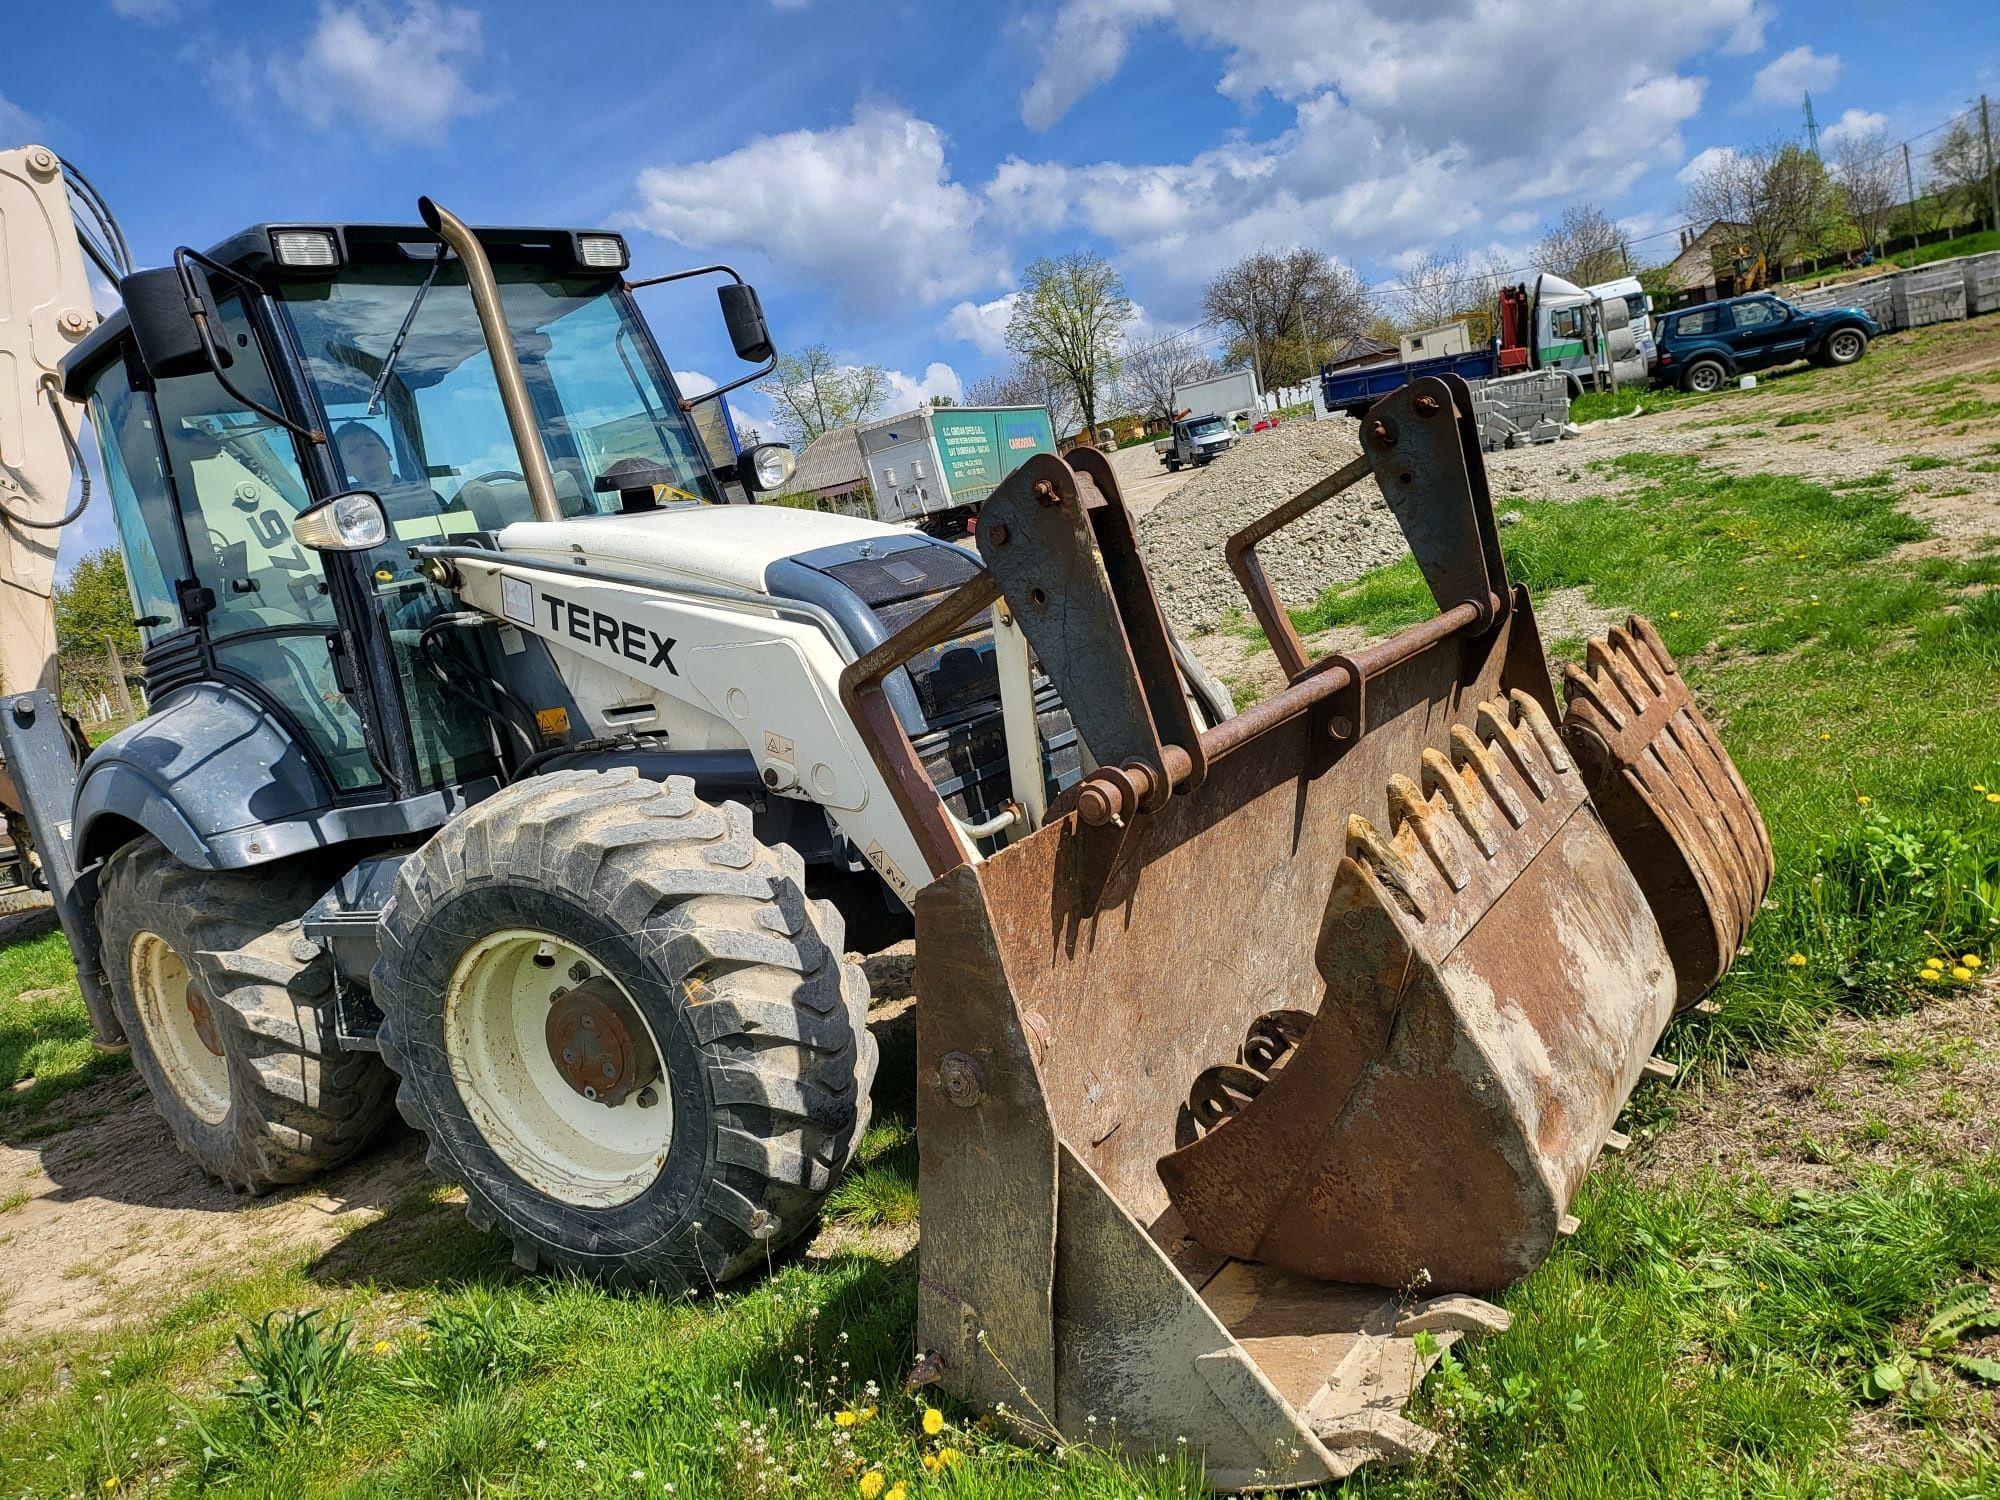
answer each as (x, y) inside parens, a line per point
(500, 346)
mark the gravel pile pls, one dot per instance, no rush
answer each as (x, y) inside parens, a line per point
(1184, 535)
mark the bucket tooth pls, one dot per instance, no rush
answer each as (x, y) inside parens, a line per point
(1437, 837)
(1493, 724)
(1383, 860)
(1672, 800)
(1465, 796)
(1468, 752)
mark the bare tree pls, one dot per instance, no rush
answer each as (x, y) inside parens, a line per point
(1029, 382)
(1958, 172)
(1440, 287)
(1152, 371)
(1070, 318)
(1779, 192)
(811, 394)
(1584, 246)
(1864, 170)
(1288, 308)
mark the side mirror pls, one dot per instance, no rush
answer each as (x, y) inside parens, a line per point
(743, 314)
(352, 522)
(162, 327)
(766, 467)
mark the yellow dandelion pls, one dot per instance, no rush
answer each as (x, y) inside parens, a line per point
(1863, 800)
(930, 1463)
(1993, 796)
(381, 1346)
(1932, 976)
(1971, 960)
(1933, 963)
(845, 1418)
(1797, 960)
(948, 1457)
(867, 1414)
(1960, 973)
(1979, 786)
(897, 1491)
(1673, 614)
(871, 1484)
(1826, 736)
(933, 1421)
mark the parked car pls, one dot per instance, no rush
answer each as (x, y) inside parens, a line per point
(1195, 440)
(1703, 348)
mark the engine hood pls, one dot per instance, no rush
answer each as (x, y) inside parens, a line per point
(727, 544)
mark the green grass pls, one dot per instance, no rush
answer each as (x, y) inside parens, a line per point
(1699, 1338)
(1965, 244)
(45, 1049)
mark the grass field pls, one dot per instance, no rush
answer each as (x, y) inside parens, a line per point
(1698, 1337)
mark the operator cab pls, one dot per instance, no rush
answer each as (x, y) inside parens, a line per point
(351, 357)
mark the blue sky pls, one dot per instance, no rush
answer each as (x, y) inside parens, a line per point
(884, 171)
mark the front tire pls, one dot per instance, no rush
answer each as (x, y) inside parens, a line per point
(624, 1028)
(228, 1011)
(1844, 346)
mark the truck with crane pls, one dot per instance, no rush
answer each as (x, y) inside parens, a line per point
(497, 775)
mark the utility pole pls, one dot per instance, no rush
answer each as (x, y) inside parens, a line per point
(1986, 155)
(1812, 128)
(1910, 186)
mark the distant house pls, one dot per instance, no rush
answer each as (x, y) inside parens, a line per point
(1711, 264)
(831, 474)
(1360, 350)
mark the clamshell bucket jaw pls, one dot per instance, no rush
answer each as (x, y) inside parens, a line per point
(1282, 1036)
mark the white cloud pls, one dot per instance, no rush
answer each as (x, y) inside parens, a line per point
(1854, 125)
(1702, 162)
(1084, 47)
(17, 126)
(146, 10)
(981, 324)
(693, 382)
(906, 393)
(868, 209)
(1787, 77)
(400, 76)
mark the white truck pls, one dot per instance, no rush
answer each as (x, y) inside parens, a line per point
(1195, 440)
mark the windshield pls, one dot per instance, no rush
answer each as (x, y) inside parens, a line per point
(437, 447)
(1205, 427)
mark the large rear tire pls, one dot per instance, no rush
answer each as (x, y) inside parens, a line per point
(626, 1031)
(228, 1011)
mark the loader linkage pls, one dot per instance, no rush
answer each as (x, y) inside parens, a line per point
(1343, 994)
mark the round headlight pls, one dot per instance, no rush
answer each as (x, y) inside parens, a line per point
(769, 465)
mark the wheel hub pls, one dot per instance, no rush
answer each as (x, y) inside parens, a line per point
(599, 1045)
(202, 1010)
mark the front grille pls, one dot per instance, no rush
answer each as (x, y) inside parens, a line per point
(905, 575)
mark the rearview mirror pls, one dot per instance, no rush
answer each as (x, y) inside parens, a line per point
(169, 343)
(743, 314)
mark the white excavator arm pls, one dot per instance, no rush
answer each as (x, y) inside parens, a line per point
(44, 310)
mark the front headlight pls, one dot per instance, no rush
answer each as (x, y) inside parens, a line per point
(352, 522)
(767, 466)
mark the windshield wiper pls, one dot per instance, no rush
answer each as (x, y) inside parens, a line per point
(396, 348)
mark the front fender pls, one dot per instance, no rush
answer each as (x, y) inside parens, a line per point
(211, 774)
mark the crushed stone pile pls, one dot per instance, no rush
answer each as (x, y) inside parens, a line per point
(1183, 537)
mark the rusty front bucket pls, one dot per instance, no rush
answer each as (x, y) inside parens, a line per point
(1244, 1071)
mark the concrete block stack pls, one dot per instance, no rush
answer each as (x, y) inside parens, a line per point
(1929, 294)
(1981, 275)
(1877, 296)
(1516, 409)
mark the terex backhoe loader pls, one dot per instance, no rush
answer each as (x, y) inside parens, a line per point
(490, 763)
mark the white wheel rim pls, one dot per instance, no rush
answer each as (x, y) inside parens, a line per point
(160, 985)
(575, 1150)
(1707, 378)
(1843, 346)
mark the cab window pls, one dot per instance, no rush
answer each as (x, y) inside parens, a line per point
(141, 504)
(1757, 314)
(1695, 324)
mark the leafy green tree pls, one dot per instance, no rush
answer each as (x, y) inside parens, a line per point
(811, 393)
(94, 607)
(1070, 318)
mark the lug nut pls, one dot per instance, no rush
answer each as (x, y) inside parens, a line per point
(647, 1097)
(579, 971)
(1046, 492)
(1427, 406)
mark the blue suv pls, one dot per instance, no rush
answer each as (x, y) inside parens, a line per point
(1703, 348)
